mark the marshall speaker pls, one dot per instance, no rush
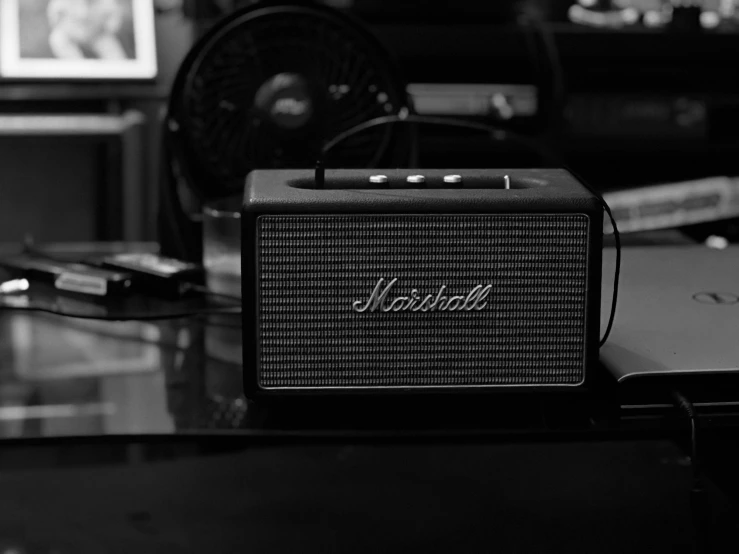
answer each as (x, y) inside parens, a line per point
(450, 281)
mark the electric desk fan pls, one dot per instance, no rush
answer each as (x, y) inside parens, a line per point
(266, 87)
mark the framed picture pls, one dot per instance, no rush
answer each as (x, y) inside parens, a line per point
(77, 39)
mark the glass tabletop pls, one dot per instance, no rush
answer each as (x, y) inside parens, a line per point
(70, 376)
(67, 376)
(63, 376)
(64, 371)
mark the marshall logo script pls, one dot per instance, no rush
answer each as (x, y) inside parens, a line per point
(378, 300)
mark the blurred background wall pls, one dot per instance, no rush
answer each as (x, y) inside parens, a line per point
(65, 186)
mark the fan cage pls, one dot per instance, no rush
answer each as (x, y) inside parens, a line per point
(219, 135)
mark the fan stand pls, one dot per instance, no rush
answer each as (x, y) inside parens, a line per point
(179, 225)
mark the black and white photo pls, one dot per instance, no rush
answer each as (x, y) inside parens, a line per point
(78, 39)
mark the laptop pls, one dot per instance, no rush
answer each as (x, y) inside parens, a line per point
(677, 312)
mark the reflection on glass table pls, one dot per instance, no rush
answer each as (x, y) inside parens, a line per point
(63, 376)
(78, 381)
(67, 376)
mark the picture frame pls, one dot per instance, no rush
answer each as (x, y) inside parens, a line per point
(77, 40)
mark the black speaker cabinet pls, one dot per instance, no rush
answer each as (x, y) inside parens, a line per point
(447, 281)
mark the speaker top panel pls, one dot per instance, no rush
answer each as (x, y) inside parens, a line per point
(418, 191)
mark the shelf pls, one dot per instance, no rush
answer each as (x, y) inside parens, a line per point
(68, 125)
(74, 92)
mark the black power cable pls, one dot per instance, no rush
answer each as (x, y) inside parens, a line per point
(685, 406)
(698, 500)
(497, 134)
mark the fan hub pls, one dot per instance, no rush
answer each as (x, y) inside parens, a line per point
(285, 101)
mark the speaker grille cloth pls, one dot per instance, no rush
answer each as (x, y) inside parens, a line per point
(313, 268)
